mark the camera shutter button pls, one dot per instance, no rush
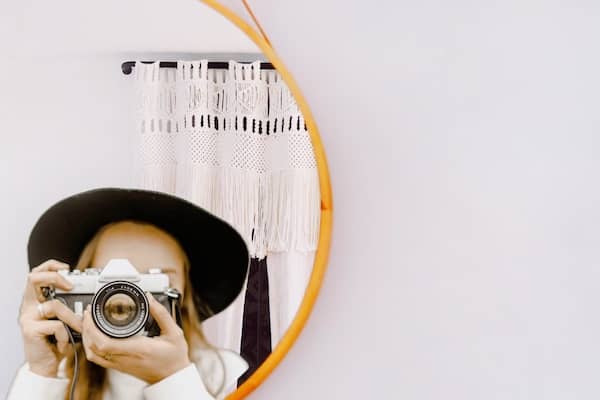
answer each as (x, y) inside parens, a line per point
(154, 271)
(92, 271)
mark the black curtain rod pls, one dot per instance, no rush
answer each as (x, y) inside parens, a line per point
(127, 66)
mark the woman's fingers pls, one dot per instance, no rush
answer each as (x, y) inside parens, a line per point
(93, 342)
(32, 292)
(59, 331)
(149, 359)
(50, 265)
(166, 323)
(91, 335)
(105, 360)
(49, 278)
(36, 329)
(109, 352)
(39, 279)
(42, 329)
(56, 309)
(101, 344)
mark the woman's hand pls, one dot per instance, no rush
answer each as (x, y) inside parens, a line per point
(148, 358)
(43, 357)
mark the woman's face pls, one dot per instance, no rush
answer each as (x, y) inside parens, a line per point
(145, 246)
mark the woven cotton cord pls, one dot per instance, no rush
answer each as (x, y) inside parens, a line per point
(234, 142)
(155, 100)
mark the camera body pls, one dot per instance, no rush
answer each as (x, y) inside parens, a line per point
(119, 306)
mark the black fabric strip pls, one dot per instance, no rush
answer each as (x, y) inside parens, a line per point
(256, 324)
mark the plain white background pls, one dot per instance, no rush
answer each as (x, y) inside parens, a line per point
(462, 139)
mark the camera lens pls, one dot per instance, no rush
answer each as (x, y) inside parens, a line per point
(120, 309)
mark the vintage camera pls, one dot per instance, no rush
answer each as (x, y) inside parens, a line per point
(119, 306)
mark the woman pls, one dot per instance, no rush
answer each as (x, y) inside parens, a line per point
(204, 258)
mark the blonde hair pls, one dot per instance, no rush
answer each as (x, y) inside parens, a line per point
(92, 377)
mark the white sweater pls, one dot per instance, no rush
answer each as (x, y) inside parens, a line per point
(193, 382)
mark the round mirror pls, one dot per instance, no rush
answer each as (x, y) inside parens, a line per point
(189, 100)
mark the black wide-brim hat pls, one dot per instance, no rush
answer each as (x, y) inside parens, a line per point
(217, 253)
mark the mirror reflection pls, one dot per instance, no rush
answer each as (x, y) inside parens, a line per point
(176, 258)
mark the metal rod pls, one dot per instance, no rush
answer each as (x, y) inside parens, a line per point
(127, 66)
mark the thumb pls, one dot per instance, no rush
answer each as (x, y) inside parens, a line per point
(163, 318)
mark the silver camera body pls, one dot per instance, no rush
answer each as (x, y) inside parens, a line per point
(119, 305)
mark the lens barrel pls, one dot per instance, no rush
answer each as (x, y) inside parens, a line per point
(120, 309)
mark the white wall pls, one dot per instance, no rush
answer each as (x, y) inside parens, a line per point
(58, 138)
(462, 139)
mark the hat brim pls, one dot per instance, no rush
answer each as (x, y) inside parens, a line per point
(217, 253)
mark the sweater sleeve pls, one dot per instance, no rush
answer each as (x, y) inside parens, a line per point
(184, 384)
(28, 385)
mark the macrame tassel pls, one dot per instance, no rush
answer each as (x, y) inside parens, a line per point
(159, 177)
(231, 194)
(273, 212)
(292, 210)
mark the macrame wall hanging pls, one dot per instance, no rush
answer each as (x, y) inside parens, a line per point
(234, 142)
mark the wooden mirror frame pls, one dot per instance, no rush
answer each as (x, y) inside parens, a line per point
(322, 253)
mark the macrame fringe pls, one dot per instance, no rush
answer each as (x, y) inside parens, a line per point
(292, 210)
(273, 212)
(158, 177)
